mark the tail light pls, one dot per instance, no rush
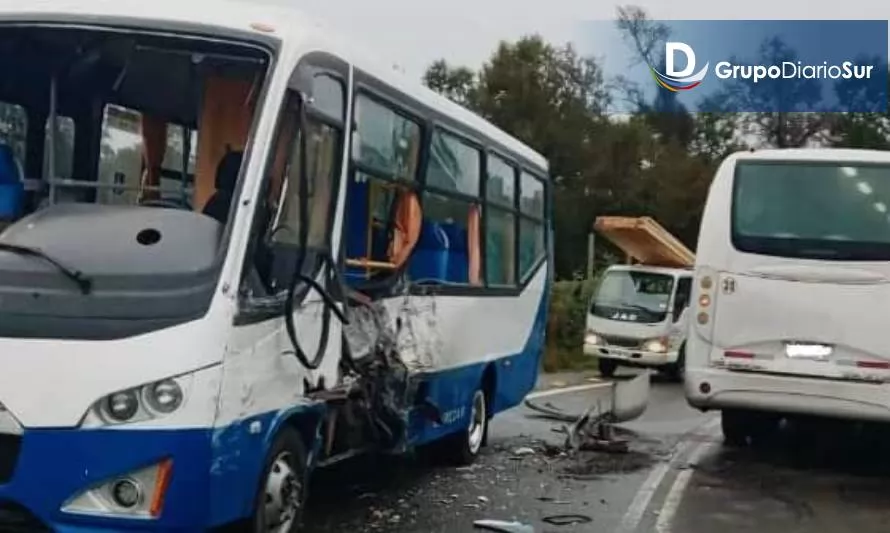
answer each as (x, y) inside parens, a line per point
(706, 281)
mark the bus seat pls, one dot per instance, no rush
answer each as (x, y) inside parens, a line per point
(220, 202)
(458, 258)
(12, 188)
(429, 261)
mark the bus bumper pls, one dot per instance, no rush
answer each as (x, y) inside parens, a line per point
(630, 356)
(715, 388)
(60, 480)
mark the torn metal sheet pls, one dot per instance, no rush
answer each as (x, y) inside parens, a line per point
(593, 430)
(626, 401)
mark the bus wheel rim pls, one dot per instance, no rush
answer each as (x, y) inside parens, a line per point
(282, 495)
(477, 423)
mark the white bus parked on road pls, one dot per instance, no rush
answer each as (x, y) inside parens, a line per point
(792, 280)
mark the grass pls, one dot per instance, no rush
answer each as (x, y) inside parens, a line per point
(566, 325)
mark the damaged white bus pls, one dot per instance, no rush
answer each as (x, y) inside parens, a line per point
(236, 250)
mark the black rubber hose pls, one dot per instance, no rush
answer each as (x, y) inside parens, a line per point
(298, 276)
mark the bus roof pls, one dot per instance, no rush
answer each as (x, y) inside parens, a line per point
(815, 154)
(279, 25)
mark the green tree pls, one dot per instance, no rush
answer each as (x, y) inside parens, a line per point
(866, 129)
(776, 126)
(457, 83)
(666, 115)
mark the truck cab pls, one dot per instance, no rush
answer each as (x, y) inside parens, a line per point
(638, 314)
(638, 317)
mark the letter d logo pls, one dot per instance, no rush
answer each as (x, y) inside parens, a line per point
(670, 48)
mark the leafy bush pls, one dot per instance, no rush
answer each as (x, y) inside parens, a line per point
(566, 323)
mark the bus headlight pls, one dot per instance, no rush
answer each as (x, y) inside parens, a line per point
(122, 406)
(164, 396)
(656, 345)
(141, 403)
(592, 338)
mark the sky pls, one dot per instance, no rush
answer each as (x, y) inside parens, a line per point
(413, 34)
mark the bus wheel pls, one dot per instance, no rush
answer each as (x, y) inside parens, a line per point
(607, 367)
(279, 503)
(463, 448)
(736, 427)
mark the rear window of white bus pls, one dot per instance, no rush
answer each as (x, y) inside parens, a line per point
(825, 211)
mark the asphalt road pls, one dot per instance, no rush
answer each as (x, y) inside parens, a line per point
(677, 477)
(402, 495)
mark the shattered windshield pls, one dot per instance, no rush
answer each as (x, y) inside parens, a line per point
(633, 296)
(109, 179)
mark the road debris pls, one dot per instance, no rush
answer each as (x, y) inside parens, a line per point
(553, 501)
(503, 527)
(522, 452)
(567, 519)
(594, 430)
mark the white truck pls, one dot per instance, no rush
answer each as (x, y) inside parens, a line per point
(637, 316)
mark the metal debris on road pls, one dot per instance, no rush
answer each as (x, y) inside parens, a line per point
(503, 527)
(547, 499)
(567, 519)
(593, 430)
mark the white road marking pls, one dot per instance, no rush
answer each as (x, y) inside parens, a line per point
(675, 495)
(638, 506)
(566, 390)
(640, 503)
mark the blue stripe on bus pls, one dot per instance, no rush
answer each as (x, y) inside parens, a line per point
(55, 465)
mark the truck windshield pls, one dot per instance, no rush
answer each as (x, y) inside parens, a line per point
(633, 296)
(826, 211)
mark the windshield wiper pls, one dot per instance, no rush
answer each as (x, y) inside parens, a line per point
(83, 282)
(640, 308)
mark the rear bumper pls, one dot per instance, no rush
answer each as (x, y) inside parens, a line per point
(631, 356)
(55, 465)
(787, 394)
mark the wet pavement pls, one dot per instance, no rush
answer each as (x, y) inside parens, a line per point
(830, 478)
(521, 476)
(678, 477)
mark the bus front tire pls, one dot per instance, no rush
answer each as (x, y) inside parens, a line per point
(280, 497)
(607, 367)
(463, 448)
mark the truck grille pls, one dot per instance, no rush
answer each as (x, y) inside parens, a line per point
(623, 342)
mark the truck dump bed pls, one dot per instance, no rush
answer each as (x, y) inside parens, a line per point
(646, 241)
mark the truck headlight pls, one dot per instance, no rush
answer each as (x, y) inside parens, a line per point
(592, 338)
(659, 345)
